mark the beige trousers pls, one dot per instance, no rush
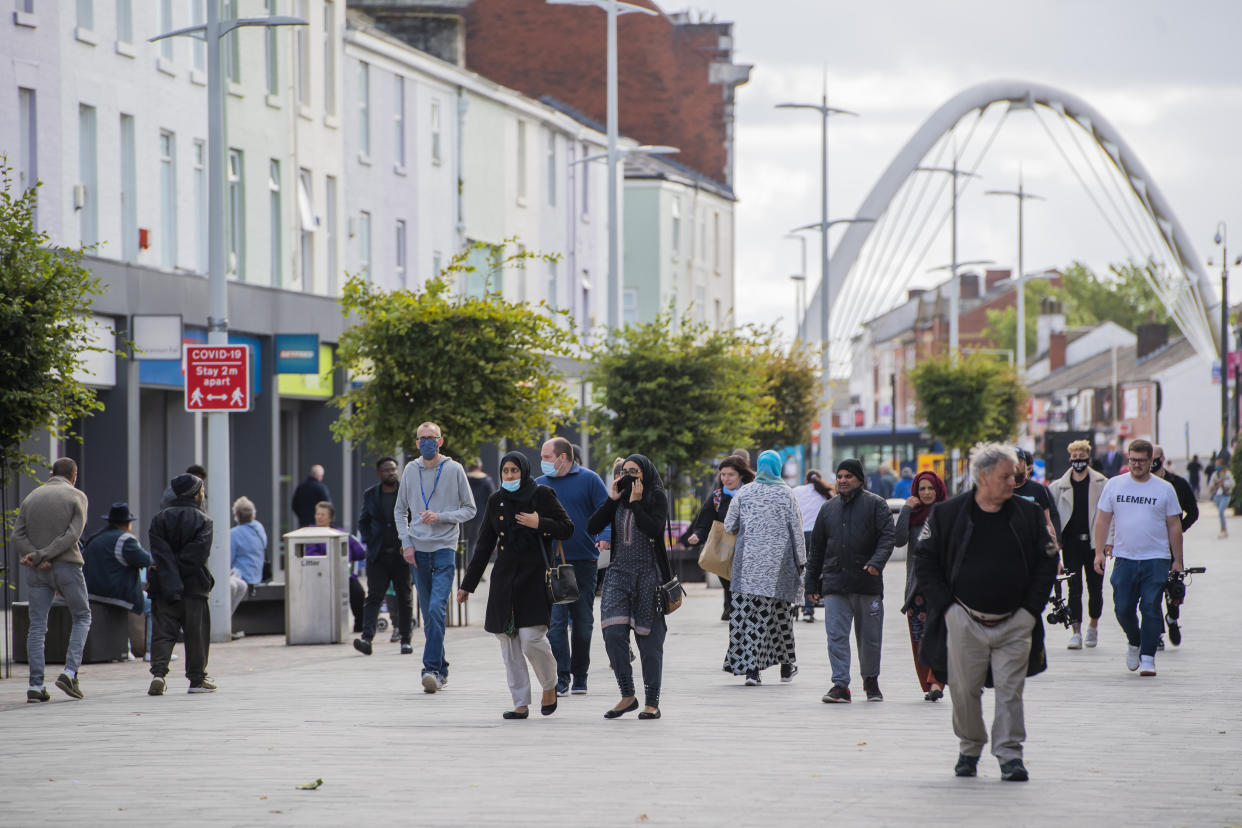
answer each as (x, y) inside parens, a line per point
(530, 644)
(972, 649)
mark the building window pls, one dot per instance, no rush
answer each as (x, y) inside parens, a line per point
(271, 53)
(700, 304)
(435, 132)
(399, 261)
(124, 20)
(129, 189)
(200, 205)
(716, 242)
(306, 224)
(329, 194)
(231, 48)
(329, 57)
(584, 318)
(364, 107)
(436, 263)
(521, 160)
(87, 199)
(629, 306)
(86, 15)
(301, 55)
(277, 216)
(198, 15)
(586, 181)
(27, 142)
(167, 45)
(26, 6)
(552, 285)
(235, 211)
(364, 244)
(551, 168)
(676, 226)
(398, 119)
(168, 198)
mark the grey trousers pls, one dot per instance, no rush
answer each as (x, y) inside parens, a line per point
(972, 649)
(237, 591)
(865, 613)
(67, 579)
(530, 644)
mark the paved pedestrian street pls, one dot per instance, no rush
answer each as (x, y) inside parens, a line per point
(1105, 747)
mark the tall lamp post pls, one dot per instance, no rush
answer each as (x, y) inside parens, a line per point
(218, 450)
(614, 8)
(1022, 196)
(825, 414)
(1222, 238)
(954, 289)
(799, 280)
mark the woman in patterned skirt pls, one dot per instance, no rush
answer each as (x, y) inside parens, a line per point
(928, 490)
(767, 561)
(636, 509)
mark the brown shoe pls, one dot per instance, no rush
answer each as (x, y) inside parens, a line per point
(69, 685)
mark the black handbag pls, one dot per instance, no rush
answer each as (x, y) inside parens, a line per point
(670, 593)
(560, 578)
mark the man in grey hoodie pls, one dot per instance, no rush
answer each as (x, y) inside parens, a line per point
(433, 500)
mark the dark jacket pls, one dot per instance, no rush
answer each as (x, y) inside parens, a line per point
(517, 588)
(941, 544)
(113, 559)
(710, 512)
(849, 535)
(377, 528)
(309, 492)
(180, 545)
(1185, 499)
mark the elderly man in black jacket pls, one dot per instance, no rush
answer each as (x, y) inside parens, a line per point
(985, 563)
(851, 542)
(179, 584)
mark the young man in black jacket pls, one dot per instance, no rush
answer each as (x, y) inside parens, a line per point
(985, 563)
(179, 584)
(377, 524)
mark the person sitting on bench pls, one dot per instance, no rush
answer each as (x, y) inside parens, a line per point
(114, 562)
(247, 553)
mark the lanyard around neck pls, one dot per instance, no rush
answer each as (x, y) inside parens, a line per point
(434, 486)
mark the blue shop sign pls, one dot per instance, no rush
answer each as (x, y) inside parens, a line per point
(297, 353)
(170, 373)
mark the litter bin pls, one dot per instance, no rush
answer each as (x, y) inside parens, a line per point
(316, 585)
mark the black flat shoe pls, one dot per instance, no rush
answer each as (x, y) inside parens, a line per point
(513, 714)
(548, 709)
(645, 715)
(616, 714)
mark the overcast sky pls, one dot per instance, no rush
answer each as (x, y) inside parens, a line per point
(1168, 76)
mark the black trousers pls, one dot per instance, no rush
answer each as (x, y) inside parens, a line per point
(388, 568)
(1077, 557)
(650, 654)
(168, 620)
(357, 599)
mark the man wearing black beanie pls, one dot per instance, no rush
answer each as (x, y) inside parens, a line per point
(851, 542)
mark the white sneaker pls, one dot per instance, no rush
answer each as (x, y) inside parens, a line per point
(1093, 636)
(1132, 658)
(1075, 642)
(1147, 665)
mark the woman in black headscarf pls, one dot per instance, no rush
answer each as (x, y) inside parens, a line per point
(636, 509)
(519, 518)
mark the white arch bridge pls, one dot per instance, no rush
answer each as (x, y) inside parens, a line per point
(875, 262)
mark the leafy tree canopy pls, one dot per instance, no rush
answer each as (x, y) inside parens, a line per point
(791, 382)
(970, 400)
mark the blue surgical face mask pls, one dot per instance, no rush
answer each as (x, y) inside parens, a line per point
(728, 491)
(547, 468)
(428, 447)
(510, 485)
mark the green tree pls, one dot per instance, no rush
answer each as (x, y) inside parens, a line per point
(1124, 297)
(967, 401)
(44, 293)
(1002, 327)
(791, 382)
(479, 367)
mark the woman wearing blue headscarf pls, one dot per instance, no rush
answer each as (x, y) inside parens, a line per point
(767, 562)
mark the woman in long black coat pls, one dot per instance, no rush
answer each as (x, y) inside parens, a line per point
(518, 520)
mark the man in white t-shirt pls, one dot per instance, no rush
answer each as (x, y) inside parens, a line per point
(1148, 540)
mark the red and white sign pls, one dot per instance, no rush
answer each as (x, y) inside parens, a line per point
(217, 378)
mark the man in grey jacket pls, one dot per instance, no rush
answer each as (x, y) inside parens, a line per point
(433, 500)
(851, 542)
(49, 524)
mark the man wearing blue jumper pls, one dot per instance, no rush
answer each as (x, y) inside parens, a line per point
(581, 492)
(433, 500)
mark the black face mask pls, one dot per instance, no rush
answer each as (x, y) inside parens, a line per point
(1019, 479)
(625, 484)
(1157, 464)
(1078, 465)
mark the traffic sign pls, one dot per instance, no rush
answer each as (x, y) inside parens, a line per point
(217, 378)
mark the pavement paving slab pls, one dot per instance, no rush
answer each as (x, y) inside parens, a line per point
(1104, 747)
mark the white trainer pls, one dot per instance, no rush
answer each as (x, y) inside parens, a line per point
(1075, 642)
(1132, 658)
(1147, 665)
(1093, 636)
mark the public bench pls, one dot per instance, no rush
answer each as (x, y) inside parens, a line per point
(108, 639)
(262, 611)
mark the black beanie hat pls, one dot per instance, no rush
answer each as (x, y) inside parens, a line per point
(852, 466)
(186, 485)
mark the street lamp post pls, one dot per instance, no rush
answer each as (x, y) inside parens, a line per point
(825, 414)
(799, 279)
(614, 8)
(1222, 238)
(218, 456)
(954, 289)
(1021, 195)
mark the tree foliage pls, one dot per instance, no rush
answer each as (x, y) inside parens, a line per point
(791, 382)
(479, 367)
(677, 391)
(44, 292)
(969, 400)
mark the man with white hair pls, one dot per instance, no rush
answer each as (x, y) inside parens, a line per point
(986, 564)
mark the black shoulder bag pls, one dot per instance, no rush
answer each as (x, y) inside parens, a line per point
(670, 593)
(560, 579)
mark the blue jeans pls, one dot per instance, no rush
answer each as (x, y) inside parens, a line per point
(433, 578)
(1222, 502)
(67, 579)
(573, 655)
(1140, 583)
